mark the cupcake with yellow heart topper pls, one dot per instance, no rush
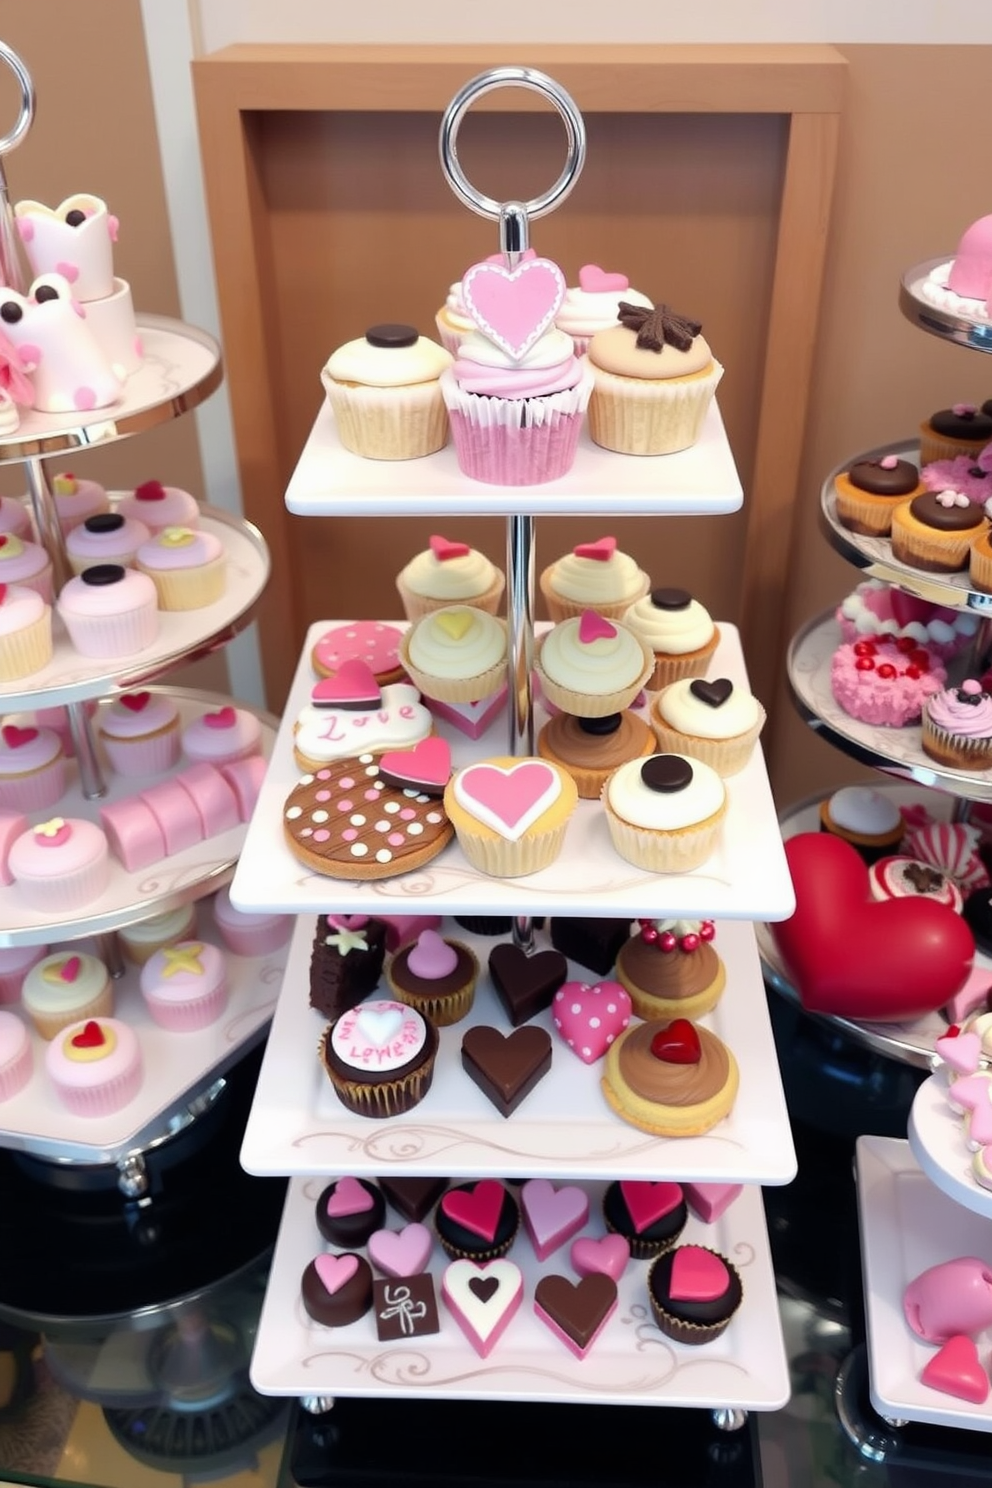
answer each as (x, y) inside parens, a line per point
(187, 567)
(457, 654)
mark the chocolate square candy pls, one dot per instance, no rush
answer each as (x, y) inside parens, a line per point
(405, 1307)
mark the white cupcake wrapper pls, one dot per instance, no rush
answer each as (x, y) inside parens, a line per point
(508, 413)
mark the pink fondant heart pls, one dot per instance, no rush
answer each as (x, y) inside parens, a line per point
(349, 1197)
(16, 738)
(476, 1209)
(353, 684)
(957, 1370)
(698, 1275)
(649, 1202)
(509, 800)
(552, 1215)
(426, 764)
(593, 627)
(443, 549)
(401, 1253)
(335, 1271)
(26, 229)
(590, 1017)
(595, 280)
(600, 552)
(224, 718)
(514, 309)
(69, 970)
(960, 1051)
(608, 1256)
(68, 271)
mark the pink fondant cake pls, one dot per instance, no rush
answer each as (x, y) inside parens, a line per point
(133, 832)
(222, 735)
(176, 814)
(875, 610)
(883, 683)
(60, 865)
(95, 1066)
(75, 239)
(245, 778)
(185, 986)
(215, 801)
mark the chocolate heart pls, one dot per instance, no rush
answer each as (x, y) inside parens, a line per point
(666, 773)
(578, 1308)
(525, 984)
(713, 694)
(506, 1067)
(677, 1044)
(90, 1036)
(483, 1287)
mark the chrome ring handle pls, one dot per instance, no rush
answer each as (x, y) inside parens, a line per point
(26, 116)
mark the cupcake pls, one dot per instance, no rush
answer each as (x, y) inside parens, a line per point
(157, 507)
(649, 1216)
(250, 934)
(594, 305)
(76, 499)
(960, 430)
(25, 632)
(95, 1067)
(15, 963)
(593, 576)
(32, 768)
(957, 727)
(452, 320)
(16, 1058)
(980, 562)
(671, 1079)
(379, 1058)
(477, 1221)
(384, 391)
(868, 819)
(65, 987)
(185, 986)
(449, 573)
(457, 654)
(14, 518)
(590, 749)
(109, 612)
(141, 940)
(349, 1211)
(435, 976)
(665, 813)
(694, 1292)
(510, 815)
(27, 564)
(591, 667)
(934, 532)
(868, 493)
(879, 611)
(677, 630)
(108, 537)
(223, 735)
(884, 684)
(670, 969)
(712, 721)
(140, 733)
(188, 567)
(517, 392)
(655, 378)
(60, 865)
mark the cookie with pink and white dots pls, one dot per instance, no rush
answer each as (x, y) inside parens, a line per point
(367, 640)
(589, 1017)
(345, 821)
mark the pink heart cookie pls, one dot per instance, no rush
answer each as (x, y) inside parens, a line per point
(608, 1256)
(595, 280)
(335, 1271)
(401, 1252)
(589, 1017)
(426, 767)
(508, 800)
(515, 307)
(353, 686)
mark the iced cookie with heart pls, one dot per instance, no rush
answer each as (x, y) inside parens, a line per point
(711, 720)
(650, 1217)
(222, 735)
(371, 641)
(672, 1079)
(510, 814)
(594, 304)
(350, 713)
(32, 768)
(671, 969)
(140, 733)
(337, 1289)
(449, 572)
(64, 988)
(348, 1211)
(477, 1221)
(591, 667)
(95, 1067)
(379, 1058)
(694, 1292)
(517, 391)
(593, 576)
(383, 388)
(482, 1299)
(436, 976)
(590, 1017)
(457, 654)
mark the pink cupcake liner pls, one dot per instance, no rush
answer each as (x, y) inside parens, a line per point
(191, 1015)
(71, 891)
(35, 791)
(502, 456)
(257, 940)
(107, 637)
(16, 1073)
(101, 1100)
(12, 981)
(150, 756)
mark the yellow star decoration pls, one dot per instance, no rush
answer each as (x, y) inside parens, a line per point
(182, 958)
(50, 828)
(348, 940)
(176, 537)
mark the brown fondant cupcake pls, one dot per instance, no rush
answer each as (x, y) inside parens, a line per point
(960, 430)
(380, 1057)
(869, 492)
(935, 531)
(670, 969)
(435, 976)
(590, 749)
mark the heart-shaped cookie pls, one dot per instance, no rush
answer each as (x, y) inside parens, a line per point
(514, 307)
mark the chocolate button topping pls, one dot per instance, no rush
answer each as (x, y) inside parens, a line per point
(392, 334)
(104, 522)
(45, 292)
(601, 726)
(102, 574)
(666, 773)
(878, 479)
(713, 694)
(928, 510)
(671, 599)
(75, 218)
(11, 312)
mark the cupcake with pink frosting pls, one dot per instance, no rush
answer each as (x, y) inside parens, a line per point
(185, 986)
(95, 1066)
(16, 1058)
(957, 727)
(140, 732)
(594, 304)
(77, 499)
(187, 567)
(32, 768)
(517, 391)
(158, 506)
(880, 683)
(250, 934)
(435, 976)
(27, 564)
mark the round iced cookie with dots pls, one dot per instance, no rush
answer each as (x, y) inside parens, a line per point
(350, 820)
(370, 641)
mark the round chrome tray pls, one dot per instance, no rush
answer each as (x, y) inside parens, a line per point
(949, 325)
(182, 366)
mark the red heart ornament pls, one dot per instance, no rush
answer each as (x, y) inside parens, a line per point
(852, 957)
(444, 549)
(135, 702)
(677, 1044)
(90, 1036)
(15, 737)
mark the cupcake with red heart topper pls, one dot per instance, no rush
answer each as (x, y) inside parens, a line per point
(591, 667)
(517, 391)
(140, 732)
(447, 573)
(159, 506)
(593, 576)
(594, 304)
(32, 768)
(95, 1066)
(222, 735)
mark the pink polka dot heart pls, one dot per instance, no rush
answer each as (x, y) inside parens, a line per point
(589, 1017)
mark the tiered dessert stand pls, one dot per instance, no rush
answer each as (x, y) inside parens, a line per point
(919, 1202)
(183, 1074)
(564, 1129)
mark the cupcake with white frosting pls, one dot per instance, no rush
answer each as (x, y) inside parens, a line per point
(384, 390)
(665, 813)
(677, 630)
(448, 573)
(593, 576)
(594, 304)
(591, 667)
(457, 654)
(712, 721)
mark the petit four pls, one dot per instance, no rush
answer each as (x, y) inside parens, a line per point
(708, 1201)
(477, 1221)
(650, 1217)
(348, 1211)
(694, 1292)
(379, 1058)
(346, 962)
(95, 1066)
(608, 1256)
(337, 1289)
(414, 1198)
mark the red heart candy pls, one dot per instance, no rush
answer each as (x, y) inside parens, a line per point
(150, 491)
(677, 1044)
(854, 958)
(601, 551)
(224, 718)
(443, 549)
(476, 1209)
(134, 701)
(15, 737)
(90, 1036)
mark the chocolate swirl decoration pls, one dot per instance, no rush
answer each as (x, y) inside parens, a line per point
(659, 327)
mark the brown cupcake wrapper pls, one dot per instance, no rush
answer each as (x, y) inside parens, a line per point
(644, 1250)
(493, 1253)
(385, 1100)
(685, 1332)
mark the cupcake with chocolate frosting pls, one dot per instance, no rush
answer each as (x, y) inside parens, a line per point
(934, 532)
(957, 727)
(868, 493)
(590, 749)
(671, 969)
(384, 391)
(435, 976)
(962, 429)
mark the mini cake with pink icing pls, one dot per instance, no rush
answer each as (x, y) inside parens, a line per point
(245, 778)
(593, 576)
(95, 1067)
(185, 986)
(64, 988)
(60, 865)
(108, 537)
(517, 391)
(14, 518)
(140, 733)
(76, 239)
(957, 727)
(879, 611)
(15, 963)
(379, 1058)
(350, 713)
(187, 566)
(436, 976)
(900, 877)
(157, 506)
(76, 499)
(32, 768)
(16, 1058)
(883, 683)
(222, 735)
(963, 284)
(25, 632)
(250, 934)
(370, 641)
(109, 611)
(594, 304)
(27, 564)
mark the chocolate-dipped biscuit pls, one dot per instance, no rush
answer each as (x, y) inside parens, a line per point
(348, 1211)
(337, 1289)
